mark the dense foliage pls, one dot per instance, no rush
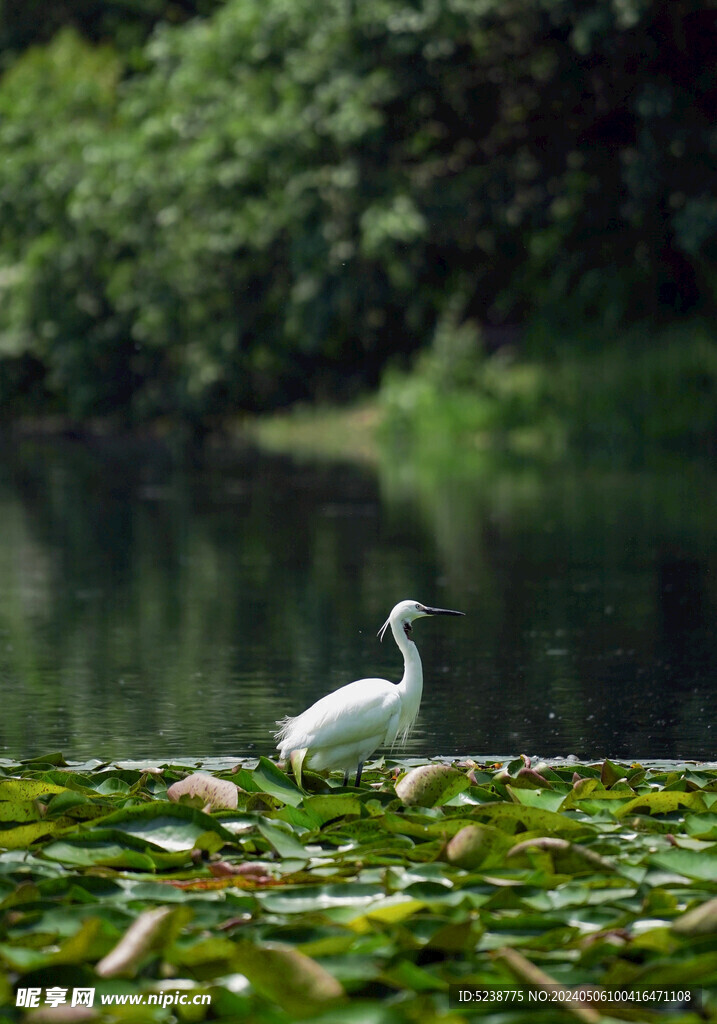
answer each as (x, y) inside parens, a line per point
(125, 23)
(284, 903)
(265, 204)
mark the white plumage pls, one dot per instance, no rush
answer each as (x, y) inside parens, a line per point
(342, 729)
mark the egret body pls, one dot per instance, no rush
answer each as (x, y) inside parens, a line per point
(342, 729)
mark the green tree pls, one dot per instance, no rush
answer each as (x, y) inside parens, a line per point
(274, 203)
(54, 105)
(124, 23)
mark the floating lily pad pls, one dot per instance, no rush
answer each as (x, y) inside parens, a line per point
(368, 905)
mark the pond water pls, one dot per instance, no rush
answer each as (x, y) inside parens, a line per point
(152, 608)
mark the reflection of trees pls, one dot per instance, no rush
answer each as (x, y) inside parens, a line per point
(575, 646)
(147, 608)
(179, 609)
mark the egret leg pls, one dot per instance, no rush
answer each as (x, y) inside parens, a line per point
(358, 773)
(346, 779)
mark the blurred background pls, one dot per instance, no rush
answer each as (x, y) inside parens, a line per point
(306, 310)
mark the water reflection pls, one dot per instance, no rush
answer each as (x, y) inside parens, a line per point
(149, 608)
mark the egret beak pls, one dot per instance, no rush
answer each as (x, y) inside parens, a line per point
(441, 611)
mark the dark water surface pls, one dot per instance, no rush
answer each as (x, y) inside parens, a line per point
(152, 609)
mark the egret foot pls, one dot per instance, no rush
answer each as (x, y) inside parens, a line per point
(358, 775)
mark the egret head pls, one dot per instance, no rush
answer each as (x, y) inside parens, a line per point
(405, 612)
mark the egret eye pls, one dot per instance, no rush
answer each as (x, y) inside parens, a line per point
(418, 607)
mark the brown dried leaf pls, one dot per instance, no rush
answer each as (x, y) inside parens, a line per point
(142, 937)
(250, 869)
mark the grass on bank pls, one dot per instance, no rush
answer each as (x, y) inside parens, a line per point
(351, 432)
(634, 399)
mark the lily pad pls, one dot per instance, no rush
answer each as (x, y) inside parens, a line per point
(355, 905)
(270, 779)
(299, 984)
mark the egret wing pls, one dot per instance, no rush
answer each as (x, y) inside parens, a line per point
(353, 713)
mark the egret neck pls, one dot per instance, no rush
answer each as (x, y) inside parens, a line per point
(411, 686)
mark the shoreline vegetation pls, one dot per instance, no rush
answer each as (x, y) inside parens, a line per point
(626, 404)
(218, 210)
(634, 403)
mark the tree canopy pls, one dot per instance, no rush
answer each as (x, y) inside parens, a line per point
(262, 204)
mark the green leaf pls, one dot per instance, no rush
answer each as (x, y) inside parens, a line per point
(406, 975)
(475, 845)
(661, 803)
(19, 791)
(113, 787)
(692, 863)
(582, 789)
(20, 959)
(283, 841)
(311, 898)
(685, 973)
(293, 980)
(54, 759)
(431, 784)
(327, 807)
(547, 799)
(71, 800)
(22, 836)
(167, 825)
(567, 858)
(101, 853)
(94, 938)
(610, 773)
(206, 953)
(272, 780)
(422, 827)
(699, 920)
(512, 818)
(384, 912)
(702, 826)
(362, 884)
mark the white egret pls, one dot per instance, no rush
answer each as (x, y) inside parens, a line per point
(344, 728)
